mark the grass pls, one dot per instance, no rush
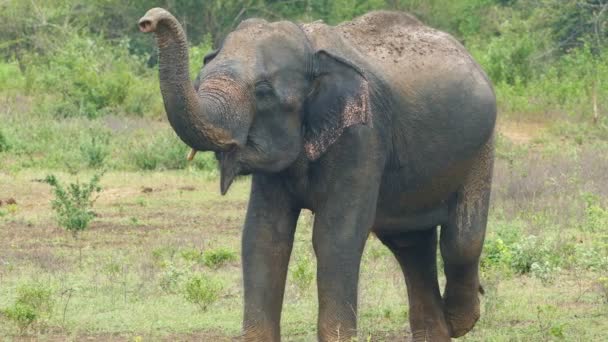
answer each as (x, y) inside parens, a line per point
(155, 234)
(160, 259)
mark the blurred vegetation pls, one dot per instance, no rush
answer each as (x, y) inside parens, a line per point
(84, 69)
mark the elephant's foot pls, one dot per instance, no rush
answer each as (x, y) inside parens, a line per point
(259, 332)
(436, 333)
(461, 311)
(428, 322)
(333, 329)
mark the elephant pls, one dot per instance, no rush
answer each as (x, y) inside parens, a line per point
(380, 125)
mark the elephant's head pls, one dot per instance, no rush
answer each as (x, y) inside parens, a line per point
(260, 100)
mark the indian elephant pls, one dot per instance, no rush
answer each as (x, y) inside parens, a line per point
(378, 125)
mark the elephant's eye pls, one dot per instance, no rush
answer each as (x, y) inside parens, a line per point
(263, 89)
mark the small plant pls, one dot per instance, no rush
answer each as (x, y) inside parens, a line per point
(22, 315)
(496, 253)
(544, 271)
(526, 252)
(192, 255)
(4, 143)
(202, 290)
(171, 278)
(216, 258)
(546, 324)
(96, 150)
(303, 273)
(596, 214)
(73, 205)
(34, 303)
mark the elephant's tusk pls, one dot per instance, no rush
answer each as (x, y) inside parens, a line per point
(191, 154)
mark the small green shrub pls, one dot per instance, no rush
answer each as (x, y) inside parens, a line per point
(496, 254)
(172, 277)
(303, 272)
(73, 205)
(593, 258)
(596, 218)
(160, 255)
(22, 315)
(202, 290)
(34, 303)
(96, 149)
(4, 143)
(547, 324)
(525, 253)
(216, 258)
(192, 255)
(545, 271)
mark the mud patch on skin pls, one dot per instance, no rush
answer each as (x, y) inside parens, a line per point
(396, 37)
(356, 111)
(476, 190)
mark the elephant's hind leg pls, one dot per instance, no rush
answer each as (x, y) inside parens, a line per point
(461, 244)
(417, 254)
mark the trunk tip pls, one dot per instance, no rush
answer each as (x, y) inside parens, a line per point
(149, 21)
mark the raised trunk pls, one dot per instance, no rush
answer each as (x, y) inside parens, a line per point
(197, 119)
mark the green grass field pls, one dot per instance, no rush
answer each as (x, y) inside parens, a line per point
(544, 270)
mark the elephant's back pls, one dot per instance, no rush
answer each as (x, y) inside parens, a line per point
(397, 42)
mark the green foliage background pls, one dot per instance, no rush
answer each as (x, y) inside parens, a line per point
(70, 65)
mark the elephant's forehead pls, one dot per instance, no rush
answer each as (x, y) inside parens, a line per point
(257, 38)
(262, 50)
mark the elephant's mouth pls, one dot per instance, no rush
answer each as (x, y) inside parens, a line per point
(229, 167)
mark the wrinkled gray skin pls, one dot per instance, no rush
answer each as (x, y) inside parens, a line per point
(380, 125)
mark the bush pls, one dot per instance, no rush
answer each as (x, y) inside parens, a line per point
(34, 303)
(496, 254)
(165, 152)
(22, 315)
(216, 258)
(88, 76)
(95, 150)
(596, 216)
(4, 143)
(172, 277)
(73, 205)
(202, 290)
(192, 255)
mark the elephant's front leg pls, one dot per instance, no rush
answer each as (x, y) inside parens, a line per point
(266, 247)
(340, 231)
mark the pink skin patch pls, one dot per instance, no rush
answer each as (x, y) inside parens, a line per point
(356, 111)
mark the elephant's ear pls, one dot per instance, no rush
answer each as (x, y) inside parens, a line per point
(208, 58)
(340, 98)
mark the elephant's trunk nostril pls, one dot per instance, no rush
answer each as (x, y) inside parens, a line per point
(146, 25)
